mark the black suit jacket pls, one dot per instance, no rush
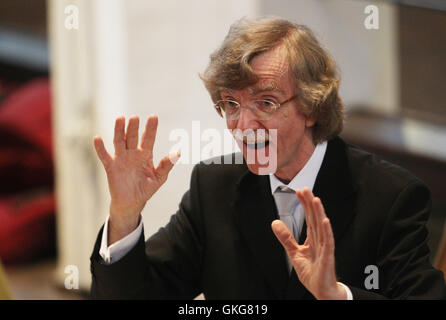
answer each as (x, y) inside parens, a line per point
(220, 241)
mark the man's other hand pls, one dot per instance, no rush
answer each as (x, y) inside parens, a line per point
(314, 260)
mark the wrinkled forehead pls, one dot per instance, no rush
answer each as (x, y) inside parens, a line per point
(271, 69)
(273, 63)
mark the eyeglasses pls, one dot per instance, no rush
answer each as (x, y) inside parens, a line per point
(262, 109)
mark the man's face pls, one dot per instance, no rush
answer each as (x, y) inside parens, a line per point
(293, 128)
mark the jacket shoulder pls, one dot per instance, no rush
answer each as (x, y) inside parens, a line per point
(370, 169)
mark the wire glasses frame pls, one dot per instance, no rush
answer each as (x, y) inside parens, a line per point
(263, 109)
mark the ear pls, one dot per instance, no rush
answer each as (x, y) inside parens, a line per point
(310, 121)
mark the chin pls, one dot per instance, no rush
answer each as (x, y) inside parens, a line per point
(261, 169)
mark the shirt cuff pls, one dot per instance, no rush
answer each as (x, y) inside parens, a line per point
(347, 289)
(119, 249)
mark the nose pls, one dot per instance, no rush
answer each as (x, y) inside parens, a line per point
(246, 119)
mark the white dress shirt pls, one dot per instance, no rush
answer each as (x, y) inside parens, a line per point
(120, 248)
(305, 178)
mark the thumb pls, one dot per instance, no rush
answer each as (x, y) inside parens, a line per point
(284, 235)
(166, 164)
(102, 153)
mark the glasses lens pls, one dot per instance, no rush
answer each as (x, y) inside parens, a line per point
(265, 106)
(230, 109)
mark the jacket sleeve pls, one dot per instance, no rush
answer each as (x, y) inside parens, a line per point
(403, 254)
(167, 266)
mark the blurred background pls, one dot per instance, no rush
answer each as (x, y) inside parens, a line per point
(69, 68)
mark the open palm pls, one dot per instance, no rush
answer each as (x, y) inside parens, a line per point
(314, 260)
(132, 177)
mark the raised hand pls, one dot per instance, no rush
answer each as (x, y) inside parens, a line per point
(132, 177)
(313, 261)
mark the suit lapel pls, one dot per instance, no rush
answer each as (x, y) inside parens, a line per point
(334, 187)
(255, 210)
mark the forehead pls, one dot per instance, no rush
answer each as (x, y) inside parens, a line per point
(272, 69)
(271, 63)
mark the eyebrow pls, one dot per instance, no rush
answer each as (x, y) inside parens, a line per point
(266, 86)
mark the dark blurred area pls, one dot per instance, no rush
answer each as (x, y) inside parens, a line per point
(27, 206)
(23, 43)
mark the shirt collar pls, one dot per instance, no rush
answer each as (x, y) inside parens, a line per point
(307, 176)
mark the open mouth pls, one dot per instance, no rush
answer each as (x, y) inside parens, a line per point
(253, 139)
(256, 144)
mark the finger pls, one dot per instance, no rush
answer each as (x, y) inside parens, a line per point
(166, 164)
(308, 195)
(119, 137)
(318, 217)
(131, 136)
(326, 253)
(326, 234)
(102, 153)
(317, 204)
(148, 137)
(328, 247)
(285, 237)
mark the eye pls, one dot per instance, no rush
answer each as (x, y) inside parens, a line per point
(265, 105)
(230, 104)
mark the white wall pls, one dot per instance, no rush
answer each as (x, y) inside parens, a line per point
(88, 72)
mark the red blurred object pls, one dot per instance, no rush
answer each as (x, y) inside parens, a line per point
(26, 156)
(27, 227)
(26, 168)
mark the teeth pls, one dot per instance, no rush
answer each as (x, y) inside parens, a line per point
(250, 137)
(258, 141)
(250, 140)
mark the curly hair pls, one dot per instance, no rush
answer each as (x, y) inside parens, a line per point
(314, 71)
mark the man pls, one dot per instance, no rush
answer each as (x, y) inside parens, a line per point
(309, 229)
